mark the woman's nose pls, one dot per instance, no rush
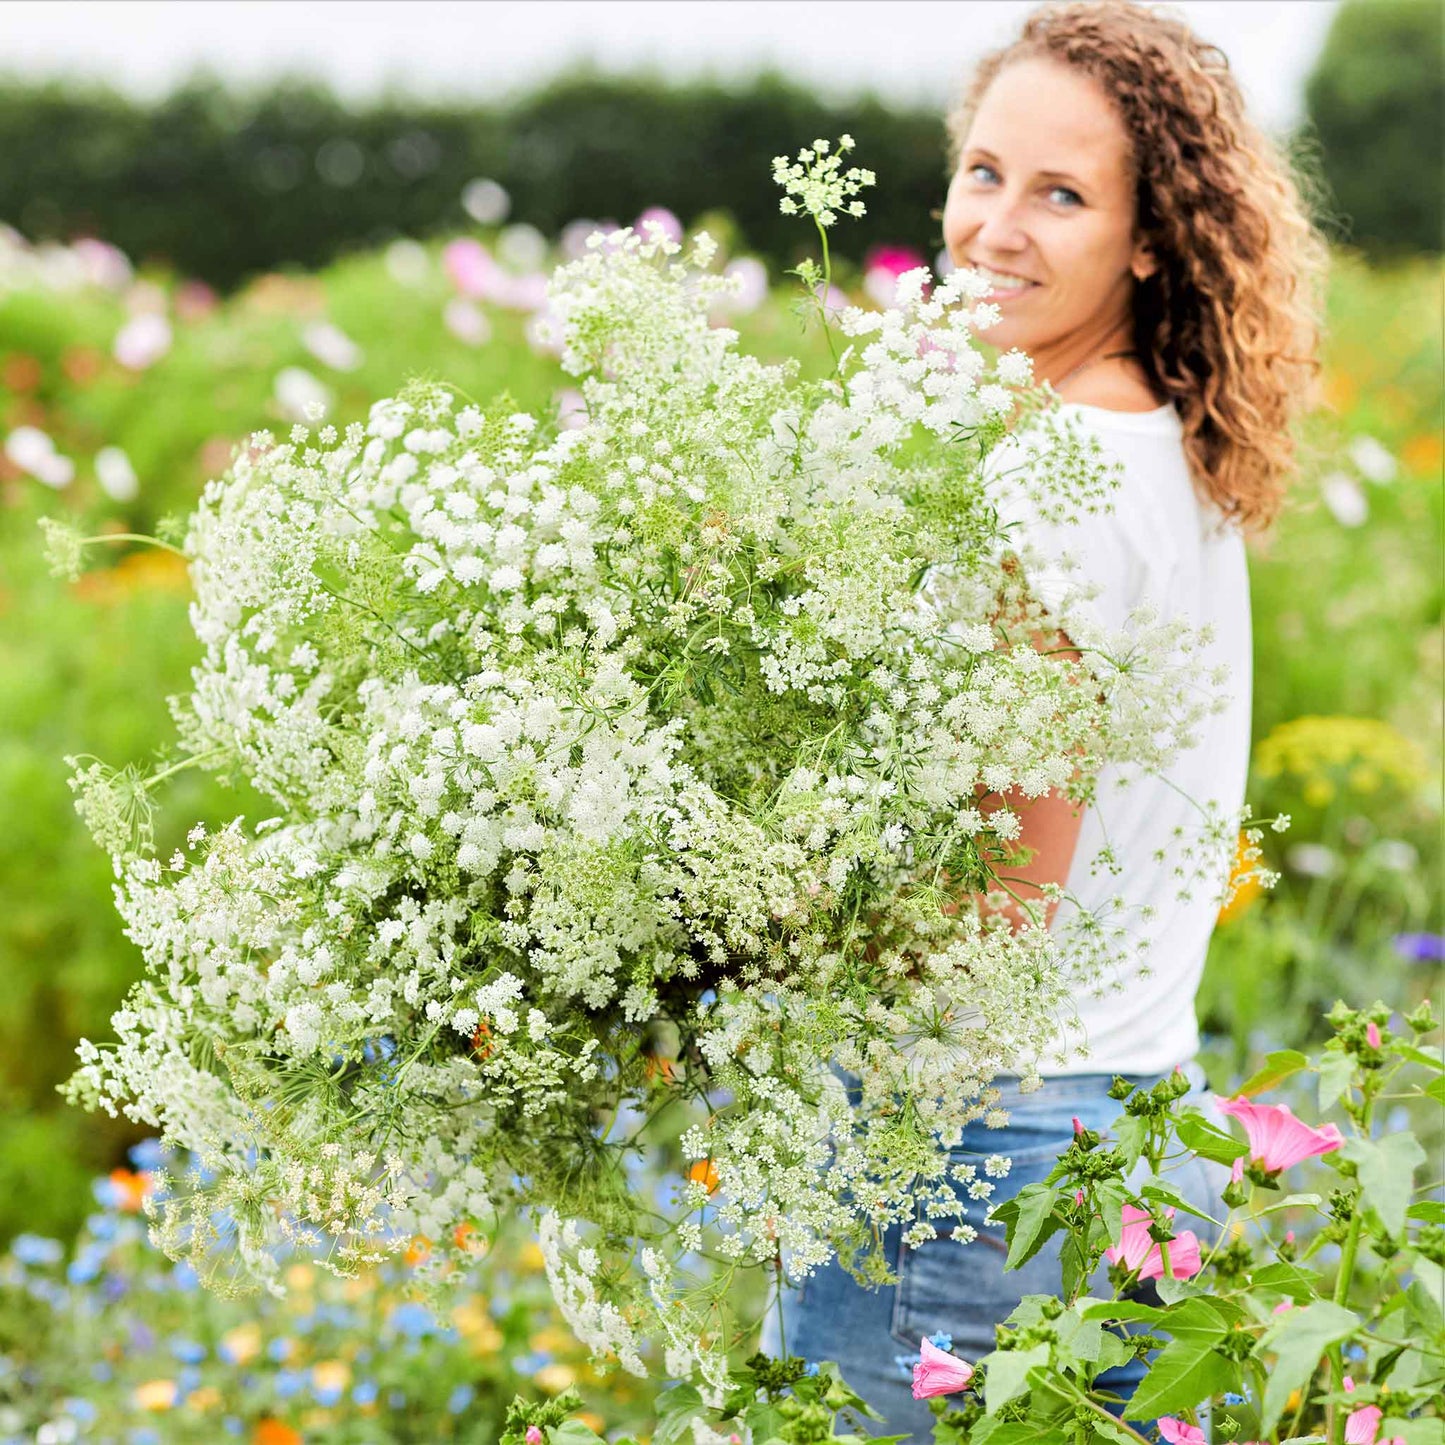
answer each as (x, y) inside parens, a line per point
(997, 227)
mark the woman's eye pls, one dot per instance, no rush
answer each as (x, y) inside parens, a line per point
(1076, 198)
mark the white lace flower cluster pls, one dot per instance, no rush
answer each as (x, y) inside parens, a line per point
(616, 768)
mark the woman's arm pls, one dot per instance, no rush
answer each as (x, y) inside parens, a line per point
(1049, 824)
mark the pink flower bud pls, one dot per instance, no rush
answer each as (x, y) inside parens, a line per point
(534, 1436)
(1236, 1171)
(1372, 1032)
(939, 1373)
(1078, 1127)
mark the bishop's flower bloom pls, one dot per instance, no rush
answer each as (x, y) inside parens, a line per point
(1276, 1138)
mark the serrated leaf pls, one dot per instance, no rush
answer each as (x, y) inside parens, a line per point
(1425, 1054)
(573, 1432)
(1008, 1374)
(1336, 1071)
(1197, 1133)
(1278, 1066)
(1289, 1279)
(1422, 1431)
(1387, 1174)
(1298, 1341)
(1189, 1368)
(1129, 1133)
(1032, 1224)
(676, 1408)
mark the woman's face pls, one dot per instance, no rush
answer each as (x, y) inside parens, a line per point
(1043, 191)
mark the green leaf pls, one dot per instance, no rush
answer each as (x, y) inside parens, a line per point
(992, 1431)
(1289, 1279)
(1130, 1133)
(1197, 1133)
(1278, 1067)
(1298, 1341)
(1423, 1431)
(1189, 1368)
(573, 1432)
(1427, 1211)
(1427, 1055)
(1337, 1069)
(676, 1408)
(1008, 1374)
(1032, 1223)
(1387, 1174)
(1435, 1089)
(1111, 1309)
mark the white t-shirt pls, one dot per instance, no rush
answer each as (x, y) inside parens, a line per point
(1159, 542)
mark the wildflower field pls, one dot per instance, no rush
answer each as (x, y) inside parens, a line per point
(121, 395)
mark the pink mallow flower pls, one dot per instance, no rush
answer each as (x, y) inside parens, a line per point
(1363, 1425)
(1276, 1138)
(939, 1373)
(1178, 1432)
(1137, 1251)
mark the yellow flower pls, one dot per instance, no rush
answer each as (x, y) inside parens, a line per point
(594, 1422)
(301, 1276)
(476, 1326)
(330, 1375)
(532, 1255)
(243, 1343)
(155, 1395)
(555, 1378)
(208, 1397)
(1327, 752)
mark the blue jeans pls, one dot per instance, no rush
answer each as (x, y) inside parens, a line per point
(963, 1289)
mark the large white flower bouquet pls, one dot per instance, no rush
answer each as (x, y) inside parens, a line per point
(617, 769)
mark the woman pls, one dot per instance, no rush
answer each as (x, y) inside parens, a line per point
(1154, 257)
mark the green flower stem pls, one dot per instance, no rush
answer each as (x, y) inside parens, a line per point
(1099, 1410)
(1335, 1421)
(133, 537)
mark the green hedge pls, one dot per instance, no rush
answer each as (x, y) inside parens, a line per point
(1376, 99)
(224, 185)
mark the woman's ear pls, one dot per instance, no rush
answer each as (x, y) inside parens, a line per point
(1143, 265)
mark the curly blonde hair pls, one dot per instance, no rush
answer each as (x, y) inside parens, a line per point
(1230, 321)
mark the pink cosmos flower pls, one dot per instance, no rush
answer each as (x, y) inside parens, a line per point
(1137, 1251)
(1276, 1138)
(939, 1373)
(1177, 1432)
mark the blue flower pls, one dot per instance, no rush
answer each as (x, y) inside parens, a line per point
(364, 1392)
(101, 1372)
(280, 1348)
(84, 1267)
(396, 1399)
(1230, 1398)
(942, 1339)
(1354, 1352)
(81, 1411)
(413, 1320)
(143, 1436)
(905, 1364)
(460, 1398)
(102, 1226)
(287, 1383)
(1420, 947)
(189, 1352)
(811, 1368)
(184, 1277)
(37, 1249)
(148, 1154)
(234, 1425)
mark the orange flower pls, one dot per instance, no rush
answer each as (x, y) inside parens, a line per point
(704, 1171)
(1423, 453)
(654, 1064)
(1246, 892)
(274, 1432)
(418, 1250)
(467, 1239)
(479, 1040)
(20, 372)
(131, 1187)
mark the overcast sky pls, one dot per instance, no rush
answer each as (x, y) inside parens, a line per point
(908, 51)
